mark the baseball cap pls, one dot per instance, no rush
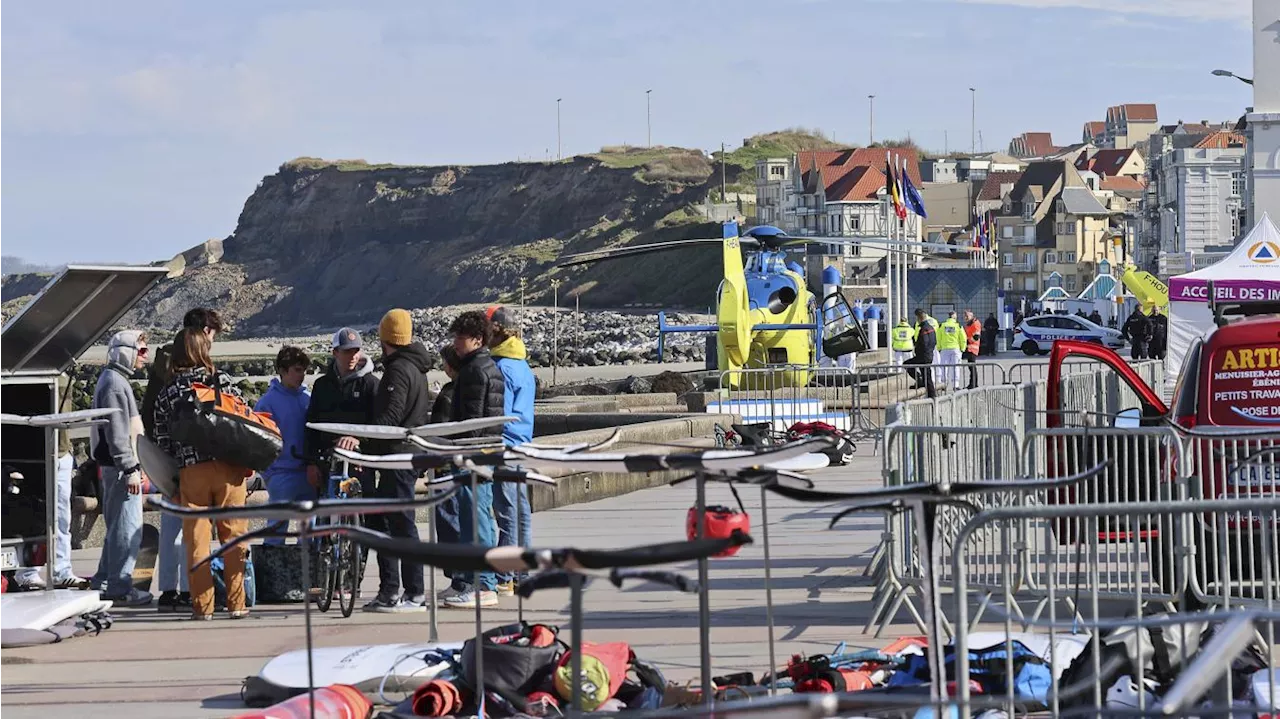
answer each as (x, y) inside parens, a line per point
(500, 315)
(346, 338)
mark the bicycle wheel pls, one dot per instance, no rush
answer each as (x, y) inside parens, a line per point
(326, 572)
(351, 571)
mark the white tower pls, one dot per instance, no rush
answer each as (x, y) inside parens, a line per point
(1264, 121)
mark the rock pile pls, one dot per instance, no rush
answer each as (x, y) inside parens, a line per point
(586, 339)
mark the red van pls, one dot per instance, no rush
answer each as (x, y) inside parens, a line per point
(1229, 394)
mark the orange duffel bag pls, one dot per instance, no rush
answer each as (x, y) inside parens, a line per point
(224, 427)
(338, 701)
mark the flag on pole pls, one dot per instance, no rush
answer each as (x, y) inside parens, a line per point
(899, 207)
(891, 186)
(914, 200)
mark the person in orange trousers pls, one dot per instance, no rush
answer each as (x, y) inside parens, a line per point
(203, 481)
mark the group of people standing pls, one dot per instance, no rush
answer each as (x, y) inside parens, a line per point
(945, 344)
(1147, 331)
(489, 377)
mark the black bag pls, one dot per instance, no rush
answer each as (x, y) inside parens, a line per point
(225, 428)
(513, 668)
(277, 573)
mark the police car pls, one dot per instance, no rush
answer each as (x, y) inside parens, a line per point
(1036, 334)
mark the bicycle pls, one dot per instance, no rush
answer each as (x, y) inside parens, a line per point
(340, 563)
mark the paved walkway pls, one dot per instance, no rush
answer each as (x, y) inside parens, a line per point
(156, 665)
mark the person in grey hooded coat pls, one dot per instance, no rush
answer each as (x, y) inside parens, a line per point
(114, 447)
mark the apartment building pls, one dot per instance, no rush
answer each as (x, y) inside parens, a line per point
(1052, 232)
(1129, 125)
(1196, 197)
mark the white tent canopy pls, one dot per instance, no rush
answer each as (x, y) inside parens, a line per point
(1250, 273)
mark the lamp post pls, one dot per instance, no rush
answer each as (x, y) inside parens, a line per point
(1228, 73)
(871, 120)
(522, 283)
(555, 329)
(648, 119)
(973, 121)
(559, 155)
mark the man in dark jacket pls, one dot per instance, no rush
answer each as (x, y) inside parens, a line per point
(926, 344)
(402, 400)
(1137, 329)
(1159, 334)
(478, 391)
(344, 393)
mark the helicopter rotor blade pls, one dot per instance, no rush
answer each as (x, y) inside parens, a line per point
(891, 243)
(613, 253)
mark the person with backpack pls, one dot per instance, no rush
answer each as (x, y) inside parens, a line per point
(402, 400)
(203, 480)
(171, 562)
(113, 446)
(286, 402)
(511, 507)
(479, 391)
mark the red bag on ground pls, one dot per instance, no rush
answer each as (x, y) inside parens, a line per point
(340, 701)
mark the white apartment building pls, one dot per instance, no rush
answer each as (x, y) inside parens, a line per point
(1200, 195)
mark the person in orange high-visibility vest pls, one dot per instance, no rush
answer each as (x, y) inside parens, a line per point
(973, 336)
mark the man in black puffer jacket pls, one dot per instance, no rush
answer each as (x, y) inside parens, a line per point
(403, 400)
(477, 392)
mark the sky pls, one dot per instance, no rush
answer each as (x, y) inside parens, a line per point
(131, 131)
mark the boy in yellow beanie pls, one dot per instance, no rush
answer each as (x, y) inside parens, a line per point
(403, 400)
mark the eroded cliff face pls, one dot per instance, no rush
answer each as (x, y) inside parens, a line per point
(318, 245)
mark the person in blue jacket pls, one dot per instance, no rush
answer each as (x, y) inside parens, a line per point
(287, 401)
(511, 500)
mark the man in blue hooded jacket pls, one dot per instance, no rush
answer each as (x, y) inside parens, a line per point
(511, 500)
(287, 401)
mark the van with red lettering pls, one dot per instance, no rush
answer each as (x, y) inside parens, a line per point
(1227, 397)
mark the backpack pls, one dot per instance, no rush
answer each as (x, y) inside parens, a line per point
(988, 668)
(517, 659)
(604, 669)
(224, 427)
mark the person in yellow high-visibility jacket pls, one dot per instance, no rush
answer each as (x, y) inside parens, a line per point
(951, 340)
(903, 341)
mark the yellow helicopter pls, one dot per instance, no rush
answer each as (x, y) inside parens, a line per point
(766, 316)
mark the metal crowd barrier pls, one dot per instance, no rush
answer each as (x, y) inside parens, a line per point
(785, 395)
(882, 386)
(1082, 581)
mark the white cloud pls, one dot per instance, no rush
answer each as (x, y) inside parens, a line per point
(1231, 10)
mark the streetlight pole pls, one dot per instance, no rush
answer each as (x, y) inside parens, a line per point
(648, 119)
(1228, 73)
(559, 155)
(973, 121)
(871, 120)
(522, 283)
(555, 329)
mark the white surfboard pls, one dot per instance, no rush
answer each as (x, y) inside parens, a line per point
(363, 431)
(714, 460)
(363, 667)
(62, 420)
(41, 610)
(449, 429)
(161, 469)
(803, 463)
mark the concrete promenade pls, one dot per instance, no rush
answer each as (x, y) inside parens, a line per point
(157, 665)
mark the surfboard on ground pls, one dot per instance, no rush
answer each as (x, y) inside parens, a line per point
(43, 609)
(363, 667)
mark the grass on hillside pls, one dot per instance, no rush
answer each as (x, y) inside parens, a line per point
(319, 163)
(657, 164)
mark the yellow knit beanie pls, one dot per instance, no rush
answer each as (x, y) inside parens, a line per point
(396, 328)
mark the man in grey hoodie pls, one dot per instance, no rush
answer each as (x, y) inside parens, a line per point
(113, 446)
